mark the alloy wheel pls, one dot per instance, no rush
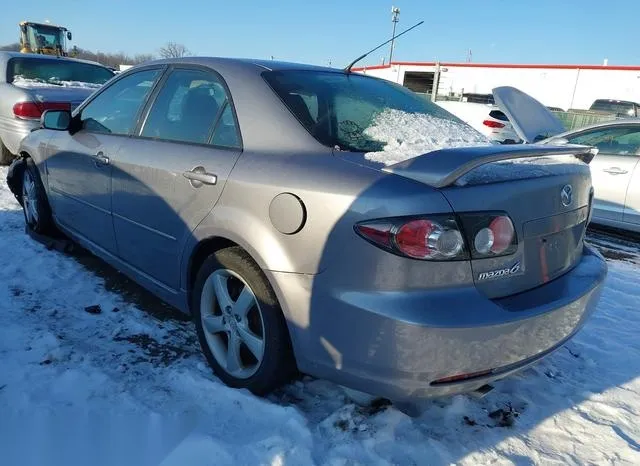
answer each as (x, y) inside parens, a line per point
(29, 198)
(233, 323)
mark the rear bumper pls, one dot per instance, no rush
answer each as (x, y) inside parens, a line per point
(13, 130)
(396, 345)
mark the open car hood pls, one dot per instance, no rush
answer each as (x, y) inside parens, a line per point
(531, 120)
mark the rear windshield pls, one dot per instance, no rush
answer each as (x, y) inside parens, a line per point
(621, 108)
(55, 72)
(337, 108)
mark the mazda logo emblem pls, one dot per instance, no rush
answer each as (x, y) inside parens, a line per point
(566, 195)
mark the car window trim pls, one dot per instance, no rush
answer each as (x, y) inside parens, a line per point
(78, 111)
(228, 101)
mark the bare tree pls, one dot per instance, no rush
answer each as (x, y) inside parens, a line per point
(142, 57)
(173, 50)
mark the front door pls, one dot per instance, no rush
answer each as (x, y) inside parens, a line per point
(79, 165)
(612, 168)
(80, 184)
(166, 180)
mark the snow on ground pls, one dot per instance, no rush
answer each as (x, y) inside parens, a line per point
(407, 135)
(128, 386)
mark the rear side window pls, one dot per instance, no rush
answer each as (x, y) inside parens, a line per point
(498, 115)
(193, 106)
(116, 109)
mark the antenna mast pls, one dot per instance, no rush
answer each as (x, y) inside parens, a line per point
(347, 69)
(395, 12)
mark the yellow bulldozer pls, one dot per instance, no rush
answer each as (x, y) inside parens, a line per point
(43, 38)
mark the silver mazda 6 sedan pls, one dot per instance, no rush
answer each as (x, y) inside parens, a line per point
(318, 221)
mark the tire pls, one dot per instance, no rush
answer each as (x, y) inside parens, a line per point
(6, 157)
(35, 205)
(231, 270)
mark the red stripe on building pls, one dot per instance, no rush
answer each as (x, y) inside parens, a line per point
(505, 65)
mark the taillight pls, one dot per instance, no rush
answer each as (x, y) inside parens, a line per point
(427, 238)
(493, 124)
(489, 234)
(34, 110)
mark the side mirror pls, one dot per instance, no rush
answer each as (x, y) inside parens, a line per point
(58, 120)
(69, 35)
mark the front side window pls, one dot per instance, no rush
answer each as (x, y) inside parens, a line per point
(612, 141)
(337, 108)
(116, 109)
(192, 106)
(60, 72)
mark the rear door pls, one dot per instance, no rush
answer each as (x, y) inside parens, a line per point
(612, 168)
(168, 177)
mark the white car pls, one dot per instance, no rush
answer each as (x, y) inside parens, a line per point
(485, 118)
(615, 169)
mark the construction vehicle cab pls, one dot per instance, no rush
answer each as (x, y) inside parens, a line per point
(43, 38)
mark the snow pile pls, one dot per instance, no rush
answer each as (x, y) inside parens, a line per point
(21, 81)
(129, 386)
(407, 135)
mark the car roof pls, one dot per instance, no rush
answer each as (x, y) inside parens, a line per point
(246, 63)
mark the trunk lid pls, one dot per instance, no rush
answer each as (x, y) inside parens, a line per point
(531, 120)
(74, 95)
(545, 190)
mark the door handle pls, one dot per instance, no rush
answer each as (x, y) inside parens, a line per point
(615, 171)
(198, 176)
(100, 160)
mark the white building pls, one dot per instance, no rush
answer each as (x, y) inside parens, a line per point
(564, 86)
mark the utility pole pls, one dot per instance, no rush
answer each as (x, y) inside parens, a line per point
(395, 13)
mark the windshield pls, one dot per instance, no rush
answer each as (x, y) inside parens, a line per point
(46, 36)
(55, 72)
(338, 108)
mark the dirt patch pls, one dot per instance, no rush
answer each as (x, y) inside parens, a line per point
(156, 352)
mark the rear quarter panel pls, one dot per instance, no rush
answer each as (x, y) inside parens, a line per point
(12, 129)
(335, 194)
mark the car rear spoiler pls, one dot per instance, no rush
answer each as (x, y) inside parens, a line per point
(443, 167)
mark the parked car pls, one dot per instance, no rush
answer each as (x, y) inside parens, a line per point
(615, 170)
(621, 108)
(244, 193)
(488, 119)
(33, 83)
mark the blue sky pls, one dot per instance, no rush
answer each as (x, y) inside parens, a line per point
(497, 31)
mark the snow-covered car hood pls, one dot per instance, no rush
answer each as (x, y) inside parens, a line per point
(531, 120)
